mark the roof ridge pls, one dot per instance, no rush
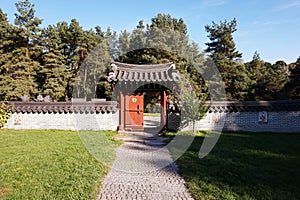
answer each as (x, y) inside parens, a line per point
(148, 64)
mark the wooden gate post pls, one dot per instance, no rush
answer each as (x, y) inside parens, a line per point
(122, 111)
(163, 115)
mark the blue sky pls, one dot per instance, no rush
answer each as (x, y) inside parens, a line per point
(271, 27)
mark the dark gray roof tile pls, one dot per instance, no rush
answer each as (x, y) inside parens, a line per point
(63, 107)
(143, 73)
(254, 106)
(107, 106)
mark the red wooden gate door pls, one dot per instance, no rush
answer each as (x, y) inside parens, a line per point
(134, 111)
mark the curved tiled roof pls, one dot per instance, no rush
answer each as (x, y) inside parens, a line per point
(143, 73)
(108, 107)
(63, 107)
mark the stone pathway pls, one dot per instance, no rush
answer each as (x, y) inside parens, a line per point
(143, 169)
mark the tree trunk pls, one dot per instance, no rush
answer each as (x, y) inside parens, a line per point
(95, 83)
(193, 126)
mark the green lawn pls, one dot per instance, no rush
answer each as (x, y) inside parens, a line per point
(244, 166)
(38, 164)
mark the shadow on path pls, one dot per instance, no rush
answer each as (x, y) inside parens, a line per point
(143, 169)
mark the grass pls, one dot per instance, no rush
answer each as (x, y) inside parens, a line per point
(244, 166)
(38, 164)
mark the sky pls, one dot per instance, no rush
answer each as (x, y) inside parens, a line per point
(270, 27)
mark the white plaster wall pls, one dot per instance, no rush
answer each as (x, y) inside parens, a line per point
(249, 121)
(63, 121)
(246, 121)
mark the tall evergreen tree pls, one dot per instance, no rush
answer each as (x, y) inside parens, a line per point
(222, 45)
(78, 47)
(54, 72)
(28, 29)
(138, 37)
(64, 46)
(75, 51)
(256, 70)
(110, 37)
(24, 61)
(93, 69)
(277, 79)
(221, 49)
(99, 61)
(293, 86)
(163, 21)
(267, 80)
(7, 45)
(6, 34)
(123, 44)
(164, 40)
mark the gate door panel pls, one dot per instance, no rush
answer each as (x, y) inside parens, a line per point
(134, 112)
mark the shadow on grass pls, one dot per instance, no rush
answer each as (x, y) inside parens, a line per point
(244, 166)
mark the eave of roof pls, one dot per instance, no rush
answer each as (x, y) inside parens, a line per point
(124, 72)
(62, 107)
(112, 106)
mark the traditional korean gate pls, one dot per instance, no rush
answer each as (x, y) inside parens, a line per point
(134, 110)
(139, 78)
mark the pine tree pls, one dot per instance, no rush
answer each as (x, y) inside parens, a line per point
(277, 77)
(138, 37)
(256, 70)
(267, 80)
(6, 35)
(97, 63)
(221, 49)
(54, 72)
(293, 86)
(79, 48)
(110, 38)
(29, 30)
(164, 40)
(76, 45)
(7, 45)
(222, 46)
(21, 69)
(163, 21)
(74, 49)
(94, 67)
(64, 46)
(123, 44)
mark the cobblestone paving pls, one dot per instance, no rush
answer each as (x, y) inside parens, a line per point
(143, 169)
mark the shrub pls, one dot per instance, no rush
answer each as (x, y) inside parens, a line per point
(4, 113)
